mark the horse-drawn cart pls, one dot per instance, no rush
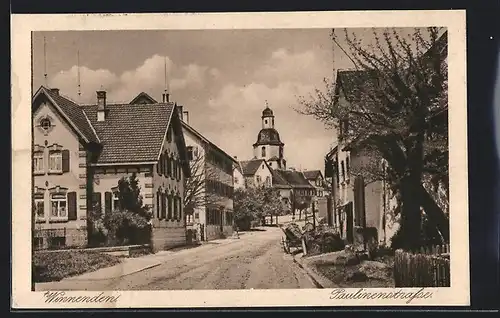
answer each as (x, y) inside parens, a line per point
(292, 237)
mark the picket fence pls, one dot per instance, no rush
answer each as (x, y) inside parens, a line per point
(428, 267)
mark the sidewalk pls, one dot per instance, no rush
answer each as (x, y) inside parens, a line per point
(133, 265)
(306, 264)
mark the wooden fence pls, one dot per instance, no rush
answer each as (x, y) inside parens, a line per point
(428, 267)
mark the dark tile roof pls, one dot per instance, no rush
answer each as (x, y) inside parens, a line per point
(268, 136)
(250, 167)
(294, 179)
(312, 174)
(131, 133)
(73, 111)
(278, 180)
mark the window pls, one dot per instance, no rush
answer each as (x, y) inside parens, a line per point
(158, 203)
(268, 180)
(45, 124)
(39, 206)
(190, 153)
(55, 161)
(273, 121)
(164, 201)
(265, 121)
(263, 151)
(236, 180)
(58, 203)
(347, 166)
(38, 163)
(116, 201)
(170, 204)
(259, 179)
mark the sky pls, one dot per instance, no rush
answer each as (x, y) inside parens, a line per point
(223, 78)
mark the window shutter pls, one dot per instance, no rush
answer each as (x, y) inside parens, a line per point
(71, 206)
(108, 198)
(65, 160)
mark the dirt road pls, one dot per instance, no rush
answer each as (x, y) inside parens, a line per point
(256, 260)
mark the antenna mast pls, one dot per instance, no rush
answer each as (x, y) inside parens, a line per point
(78, 70)
(167, 89)
(333, 57)
(45, 61)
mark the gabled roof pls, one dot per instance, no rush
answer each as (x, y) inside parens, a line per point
(143, 98)
(278, 180)
(293, 179)
(312, 174)
(204, 139)
(131, 133)
(70, 111)
(250, 167)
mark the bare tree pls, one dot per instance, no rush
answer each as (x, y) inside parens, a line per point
(196, 194)
(398, 85)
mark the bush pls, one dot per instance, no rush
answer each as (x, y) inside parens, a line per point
(126, 227)
(244, 224)
(54, 266)
(323, 241)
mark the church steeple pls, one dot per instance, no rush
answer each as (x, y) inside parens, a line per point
(269, 145)
(267, 117)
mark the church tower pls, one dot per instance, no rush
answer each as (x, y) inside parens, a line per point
(269, 146)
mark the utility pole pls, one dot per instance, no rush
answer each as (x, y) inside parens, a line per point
(45, 62)
(314, 213)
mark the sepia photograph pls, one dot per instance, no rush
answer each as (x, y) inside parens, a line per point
(245, 159)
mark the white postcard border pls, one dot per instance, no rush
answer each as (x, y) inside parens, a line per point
(22, 25)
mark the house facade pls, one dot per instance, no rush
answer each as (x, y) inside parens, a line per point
(256, 173)
(211, 215)
(80, 153)
(368, 205)
(315, 178)
(238, 177)
(295, 190)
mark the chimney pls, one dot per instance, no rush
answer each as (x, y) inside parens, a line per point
(55, 90)
(186, 116)
(101, 105)
(165, 98)
(181, 113)
(235, 157)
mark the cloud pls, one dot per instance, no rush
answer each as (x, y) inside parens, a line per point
(300, 67)
(235, 121)
(228, 113)
(148, 77)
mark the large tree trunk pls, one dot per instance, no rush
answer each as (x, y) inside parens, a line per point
(411, 217)
(435, 214)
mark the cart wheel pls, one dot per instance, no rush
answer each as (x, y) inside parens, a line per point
(287, 248)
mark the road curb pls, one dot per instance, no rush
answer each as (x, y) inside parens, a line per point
(318, 280)
(79, 278)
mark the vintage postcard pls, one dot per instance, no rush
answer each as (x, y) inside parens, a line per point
(239, 159)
